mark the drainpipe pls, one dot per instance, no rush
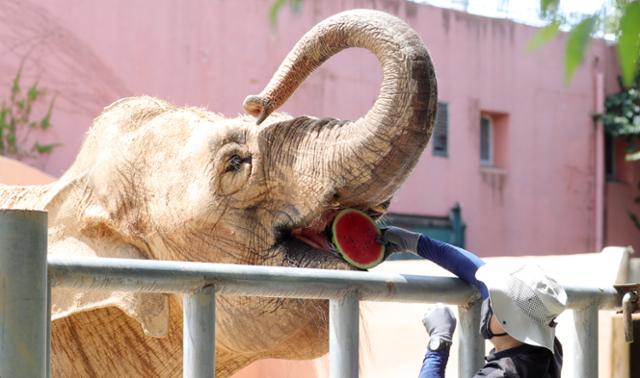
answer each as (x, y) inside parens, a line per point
(599, 149)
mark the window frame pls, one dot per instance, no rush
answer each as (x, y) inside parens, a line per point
(489, 161)
(434, 136)
(609, 162)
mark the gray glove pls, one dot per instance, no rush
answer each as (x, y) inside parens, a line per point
(398, 239)
(440, 322)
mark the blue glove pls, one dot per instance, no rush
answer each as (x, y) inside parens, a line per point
(398, 239)
(440, 322)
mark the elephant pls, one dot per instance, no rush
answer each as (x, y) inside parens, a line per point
(155, 181)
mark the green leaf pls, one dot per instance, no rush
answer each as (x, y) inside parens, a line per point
(44, 148)
(45, 123)
(15, 86)
(274, 11)
(548, 5)
(3, 117)
(576, 46)
(633, 156)
(33, 92)
(276, 8)
(629, 42)
(543, 36)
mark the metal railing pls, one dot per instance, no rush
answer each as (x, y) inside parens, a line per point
(24, 293)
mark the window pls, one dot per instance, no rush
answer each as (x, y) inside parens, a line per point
(609, 156)
(440, 130)
(486, 140)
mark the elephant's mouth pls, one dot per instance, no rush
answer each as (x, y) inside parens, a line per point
(316, 236)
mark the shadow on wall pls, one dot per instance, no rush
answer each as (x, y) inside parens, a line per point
(52, 55)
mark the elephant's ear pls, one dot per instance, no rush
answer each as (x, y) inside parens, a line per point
(151, 310)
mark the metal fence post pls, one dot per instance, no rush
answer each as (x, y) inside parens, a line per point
(585, 342)
(199, 333)
(471, 343)
(48, 325)
(23, 293)
(344, 331)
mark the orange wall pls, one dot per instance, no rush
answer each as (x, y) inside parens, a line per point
(16, 173)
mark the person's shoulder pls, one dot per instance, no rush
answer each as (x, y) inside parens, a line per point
(495, 370)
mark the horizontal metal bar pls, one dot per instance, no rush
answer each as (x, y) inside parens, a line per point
(600, 297)
(284, 282)
(264, 281)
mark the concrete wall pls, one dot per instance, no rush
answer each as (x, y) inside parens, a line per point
(540, 198)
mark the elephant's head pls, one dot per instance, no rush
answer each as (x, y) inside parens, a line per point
(158, 182)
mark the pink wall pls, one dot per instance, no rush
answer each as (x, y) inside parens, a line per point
(214, 53)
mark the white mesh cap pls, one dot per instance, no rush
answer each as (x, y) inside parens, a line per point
(525, 301)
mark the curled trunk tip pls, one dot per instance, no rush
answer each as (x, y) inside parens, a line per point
(258, 107)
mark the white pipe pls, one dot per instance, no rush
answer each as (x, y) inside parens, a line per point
(599, 149)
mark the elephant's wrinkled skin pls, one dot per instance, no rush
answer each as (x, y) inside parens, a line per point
(158, 182)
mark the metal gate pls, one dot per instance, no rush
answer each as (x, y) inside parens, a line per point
(26, 279)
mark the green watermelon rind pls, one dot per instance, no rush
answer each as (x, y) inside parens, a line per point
(339, 249)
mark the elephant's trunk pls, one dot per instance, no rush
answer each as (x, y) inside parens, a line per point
(369, 158)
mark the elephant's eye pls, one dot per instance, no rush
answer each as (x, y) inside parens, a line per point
(235, 163)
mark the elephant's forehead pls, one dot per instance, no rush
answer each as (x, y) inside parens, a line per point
(213, 135)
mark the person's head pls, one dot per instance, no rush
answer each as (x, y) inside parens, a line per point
(523, 304)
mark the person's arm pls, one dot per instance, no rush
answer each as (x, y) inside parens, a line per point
(434, 364)
(458, 261)
(440, 324)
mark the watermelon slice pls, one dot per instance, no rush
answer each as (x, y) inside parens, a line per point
(354, 234)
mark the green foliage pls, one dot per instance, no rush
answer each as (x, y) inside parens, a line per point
(622, 112)
(277, 5)
(17, 120)
(622, 20)
(543, 36)
(622, 120)
(629, 41)
(577, 43)
(547, 6)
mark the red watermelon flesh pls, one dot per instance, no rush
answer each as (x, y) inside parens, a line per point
(354, 234)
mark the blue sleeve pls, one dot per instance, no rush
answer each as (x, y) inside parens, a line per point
(458, 261)
(434, 364)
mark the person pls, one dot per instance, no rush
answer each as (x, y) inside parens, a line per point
(519, 308)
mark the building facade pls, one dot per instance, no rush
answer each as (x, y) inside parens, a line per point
(515, 147)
